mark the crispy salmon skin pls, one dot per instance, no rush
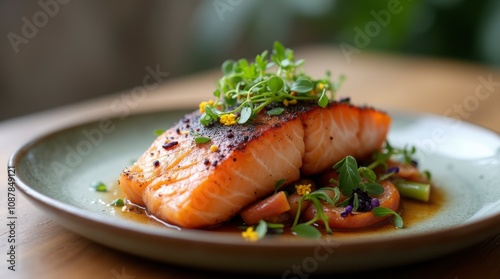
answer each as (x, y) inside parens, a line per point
(194, 185)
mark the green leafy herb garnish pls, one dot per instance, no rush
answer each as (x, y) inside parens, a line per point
(247, 87)
(118, 202)
(99, 187)
(383, 211)
(323, 99)
(276, 111)
(306, 231)
(278, 184)
(199, 139)
(352, 177)
(388, 151)
(315, 197)
(158, 132)
(261, 229)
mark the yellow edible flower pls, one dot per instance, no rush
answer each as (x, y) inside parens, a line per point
(303, 189)
(204, 104)
(291, 102)
(250, 234)
(320, 86)
(228, 119)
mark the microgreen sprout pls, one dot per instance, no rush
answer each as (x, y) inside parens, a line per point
(118, 202)
(198, 139)
(158, 132)
(246, 87)
(262, 228)
(307, 229)
(388, 151)
(99, 186)
(352, 177)
(383, 211)
(390, 172)
(278, 184)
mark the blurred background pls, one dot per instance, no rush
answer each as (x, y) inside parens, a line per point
(56, 52)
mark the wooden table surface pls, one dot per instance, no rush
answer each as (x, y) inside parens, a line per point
(465, 91)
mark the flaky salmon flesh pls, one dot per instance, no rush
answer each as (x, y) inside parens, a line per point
(194, 185)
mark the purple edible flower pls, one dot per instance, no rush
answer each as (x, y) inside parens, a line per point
(393, 169)
(375, 203)
(347, 211)
(364, 200)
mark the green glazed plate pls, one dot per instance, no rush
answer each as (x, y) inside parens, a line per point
(55, 172)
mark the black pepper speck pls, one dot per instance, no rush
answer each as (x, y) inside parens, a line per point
(170, 144)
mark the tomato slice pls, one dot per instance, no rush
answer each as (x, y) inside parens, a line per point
(390, 199)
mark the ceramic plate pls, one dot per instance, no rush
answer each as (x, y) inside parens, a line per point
(56, 172)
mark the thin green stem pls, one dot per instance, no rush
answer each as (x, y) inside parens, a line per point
(299, 209)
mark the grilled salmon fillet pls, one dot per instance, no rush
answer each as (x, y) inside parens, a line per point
(200, 185)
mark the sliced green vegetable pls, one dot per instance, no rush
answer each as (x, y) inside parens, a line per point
(414, 190)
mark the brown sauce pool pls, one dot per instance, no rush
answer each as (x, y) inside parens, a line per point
(411, 211)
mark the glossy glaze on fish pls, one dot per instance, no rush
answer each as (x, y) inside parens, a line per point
(200, 185)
